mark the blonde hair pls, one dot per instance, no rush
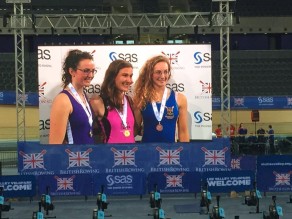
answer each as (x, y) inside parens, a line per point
(144, 90)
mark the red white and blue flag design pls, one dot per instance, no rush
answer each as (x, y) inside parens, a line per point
(124, 157)
(79, 158)
(235, 163)
(169, 157)
(174, 180)
(64, 183)
(214, 157)
(282, 179)
(33, 161)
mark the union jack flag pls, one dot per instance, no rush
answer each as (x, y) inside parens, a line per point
(235, 163)
(33, 161)
(169, 157)
(173, 57)
(206, 87)
(282, 179)
(124, 157)
(79, 158)
(238, 101)
(289, 101)
(65, 183)
(174, 180)
(42, 89)
(214, 157)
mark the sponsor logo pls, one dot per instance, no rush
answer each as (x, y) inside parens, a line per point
(124, 157)
(206, 87)
(42, 90)
(44, 54)
(202, 117)
(64, 183)
(282, 179)
(216, 100)
(201, 57)
(265, 100)
(129, 57)
(174, 180)
(176, 87)
(214, 157)
(173, 57)
(238, 101)
(122, 179)
(44, 124)
(235, 163)
(289, 101)
(92, 89)
(79, 158)
(33, 161)
(169, 157)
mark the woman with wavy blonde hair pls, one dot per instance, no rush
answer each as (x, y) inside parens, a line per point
(161, 110)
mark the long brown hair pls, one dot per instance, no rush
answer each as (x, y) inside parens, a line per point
(109, 91)
(144, 90)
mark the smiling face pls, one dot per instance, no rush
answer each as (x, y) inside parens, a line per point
(160, 74)
(84, 73)
(124, 80)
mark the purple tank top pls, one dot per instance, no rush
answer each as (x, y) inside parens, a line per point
(78, 128)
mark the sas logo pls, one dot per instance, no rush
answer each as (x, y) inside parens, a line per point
(263, 100)
(201, 57)
(44, 54)
(200, 117)
(122, 179)
(129, 57)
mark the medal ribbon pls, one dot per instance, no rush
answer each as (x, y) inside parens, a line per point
(123, 115)
(159, 114)
(86, 107)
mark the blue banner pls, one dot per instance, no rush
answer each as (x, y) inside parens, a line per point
(255, 102)
(18, 186)
(65, 185)
(226, 181)
(120, 183)
(121, 168)
(174, 182)
(243, 162)
(274, 173)
(200, 156)
(9, 98)
(236, 102)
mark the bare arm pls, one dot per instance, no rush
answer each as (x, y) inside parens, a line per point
(97, 105)
(60, 111)
(139, 120)
(182, 123)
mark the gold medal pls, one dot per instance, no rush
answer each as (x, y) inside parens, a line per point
(159, 127)
(127, 133)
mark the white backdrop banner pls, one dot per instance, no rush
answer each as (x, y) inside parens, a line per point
(191, 75)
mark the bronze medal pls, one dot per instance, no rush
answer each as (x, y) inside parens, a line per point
(159, 127)
(127, 133)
